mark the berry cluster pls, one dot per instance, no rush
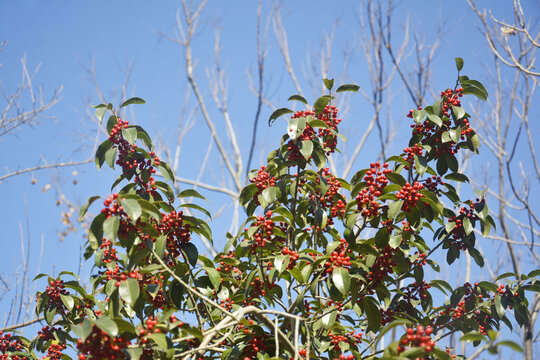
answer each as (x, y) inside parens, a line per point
(410, 194)
(381, 268)
(112, 207)
(307, 134)
(432, 184)
(229, 269)
(458, 234)
(177, 232)
(262, 181)
(409, 152)
(376, 181)
(416, 291)
(265, 230)
(470, 304)
(331, 199)
(55, 351)
(9, 345)
(338, 258)
(46, 333)
(99, 345)
(328, 135)
(293, 257)
(52, 295)
(432, 135)
(134, 162)
(109, 252)
(418, 337)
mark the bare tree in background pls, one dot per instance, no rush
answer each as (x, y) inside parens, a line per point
(509, 135)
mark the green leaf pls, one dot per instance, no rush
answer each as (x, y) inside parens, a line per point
(478, 258)
(341, 279)
(214, 276)
(68, 301)
(435, 119)
(296, 127)
(130, 134)
(394, 209)
(85, 207)
(191, 193)
(321, 217)
(382, 237)
(329, 317)
(95, 234)
(191, 252)
(110, 227)
(101, 151)
(134, 353)
(159, 245)
(442, 166)
(459, 112)
(499, 307)
(459, 63)
(419, 115)
(473, 336)
(166, 171)
(396, 178)
(107, 325)
(160, 340)
(83, 329)
(437, 107)
(150, 209)
(373, 314)
(348, 87)
(100, 113)
(298, 98)
(306, 149)
(197, 207)
(512, 345)
(475, 91)
(329, 83)
(321, 103)
(129, 291)
(457, 177)
(420, 163)
(110, 156)
(467, 226)
(281, 262)
(455, 134)
(277, 114)
(133, 100)
(132, 208)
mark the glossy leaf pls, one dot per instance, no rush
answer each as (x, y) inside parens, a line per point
(129, 291)
(132, 208)
(459, 63)
(321, 103)
(278, 113)
(130, 134)
(348, 87)
(296, 127)
(85, 207)
(191, 252)
(107, 325)
(328, 83)
(101, 151)
(133, 100)
(214, 276)
(298, 98)
(341, 279)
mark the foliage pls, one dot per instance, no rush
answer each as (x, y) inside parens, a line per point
(323, 267)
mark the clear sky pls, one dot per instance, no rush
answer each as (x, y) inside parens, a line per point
(63, 37)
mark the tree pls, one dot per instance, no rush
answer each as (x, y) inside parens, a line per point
(322, 267)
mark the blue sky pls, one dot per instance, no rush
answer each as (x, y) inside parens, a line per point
(63, 37)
